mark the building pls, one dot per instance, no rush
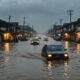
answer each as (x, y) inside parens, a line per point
(8, 31)
(70, 31)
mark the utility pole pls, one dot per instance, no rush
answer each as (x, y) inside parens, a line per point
(24, 21)
(60, 21)
(23, 28)
(70, 14)
(9, 19)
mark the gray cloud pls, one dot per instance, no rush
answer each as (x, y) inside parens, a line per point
(40, 13)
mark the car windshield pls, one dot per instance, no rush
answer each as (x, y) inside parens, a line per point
(55, 48)
(35, 40)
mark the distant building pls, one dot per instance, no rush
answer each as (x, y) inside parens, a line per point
(69, 31)
(8, 31)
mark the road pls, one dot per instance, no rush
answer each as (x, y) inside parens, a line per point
(22, 61)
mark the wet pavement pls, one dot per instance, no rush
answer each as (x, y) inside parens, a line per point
(22, 61)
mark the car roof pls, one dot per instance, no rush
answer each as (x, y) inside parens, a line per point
(55, 43)
(35, 39)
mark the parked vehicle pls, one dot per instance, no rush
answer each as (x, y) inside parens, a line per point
(55, 51)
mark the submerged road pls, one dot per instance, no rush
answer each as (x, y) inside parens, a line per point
(22, 61)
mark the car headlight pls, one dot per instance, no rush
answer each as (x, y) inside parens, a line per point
(49, 55)
(65, 55)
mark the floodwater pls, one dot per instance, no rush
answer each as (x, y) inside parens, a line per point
(22, 61)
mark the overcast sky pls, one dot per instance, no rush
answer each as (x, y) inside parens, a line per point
(42, 14)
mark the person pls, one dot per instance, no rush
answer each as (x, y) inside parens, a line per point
(44, 53)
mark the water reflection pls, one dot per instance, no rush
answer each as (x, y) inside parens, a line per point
(66, 44)
(65, 63)
(55, 63)
(52, 65)
(66, 71)
(65, 67)
(6, 47)
(6, 51)
(78, 48)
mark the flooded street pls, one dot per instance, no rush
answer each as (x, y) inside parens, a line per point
(29, 35)
(22, 61)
